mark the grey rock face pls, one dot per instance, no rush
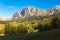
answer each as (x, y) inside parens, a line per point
(16, 15)
(29, 12)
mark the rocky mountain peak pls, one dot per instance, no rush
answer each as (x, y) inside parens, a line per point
(29, 12)
(16, 15)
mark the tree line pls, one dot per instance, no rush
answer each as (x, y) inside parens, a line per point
(20, 28)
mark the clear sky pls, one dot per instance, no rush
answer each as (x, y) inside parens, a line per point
(8, 7)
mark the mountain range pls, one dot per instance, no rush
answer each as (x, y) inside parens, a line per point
(33, 12)
(29, 12)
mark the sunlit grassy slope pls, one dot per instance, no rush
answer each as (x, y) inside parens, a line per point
(2, 26)
(46, 35)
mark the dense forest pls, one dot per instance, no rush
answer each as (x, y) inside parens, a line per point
(30, 25)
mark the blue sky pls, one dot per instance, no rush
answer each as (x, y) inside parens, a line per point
(9, 7)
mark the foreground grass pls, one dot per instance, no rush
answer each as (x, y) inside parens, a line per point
(46, 35)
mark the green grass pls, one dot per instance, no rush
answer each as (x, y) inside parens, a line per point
(46, 35)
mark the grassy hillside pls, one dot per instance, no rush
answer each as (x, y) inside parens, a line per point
(46, 35)
(45, 28)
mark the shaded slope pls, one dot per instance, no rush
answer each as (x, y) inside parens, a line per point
(46, 35)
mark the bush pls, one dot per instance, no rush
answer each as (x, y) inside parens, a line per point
(22, 28)
(55, 22)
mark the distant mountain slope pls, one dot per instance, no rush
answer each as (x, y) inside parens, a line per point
(16, 15)
(30, 12)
